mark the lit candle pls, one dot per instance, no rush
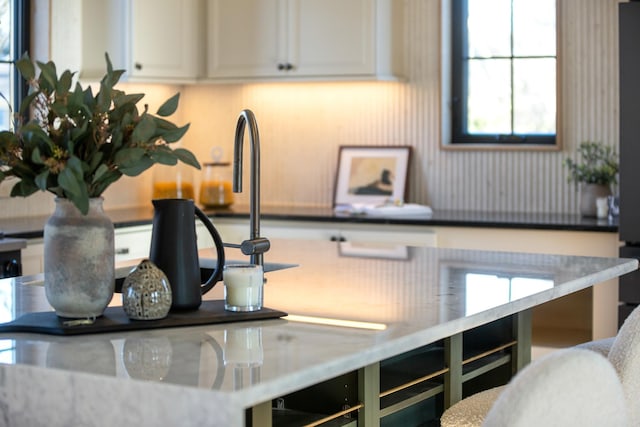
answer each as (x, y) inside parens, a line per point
(243, 287)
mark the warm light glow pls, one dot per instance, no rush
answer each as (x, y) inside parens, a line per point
(337, 322)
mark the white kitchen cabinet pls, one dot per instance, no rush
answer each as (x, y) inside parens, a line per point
(33, 257)
(153, 40)
(166, 40)
(235, 231)
(289, 39)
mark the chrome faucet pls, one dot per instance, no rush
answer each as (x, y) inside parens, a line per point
(256, 245)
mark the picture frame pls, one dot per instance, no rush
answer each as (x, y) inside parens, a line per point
(371, 174)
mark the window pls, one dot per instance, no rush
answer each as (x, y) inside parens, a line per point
(503, 71)
(14, 40)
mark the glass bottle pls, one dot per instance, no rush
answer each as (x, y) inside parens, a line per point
(216, 190)
(173, 182)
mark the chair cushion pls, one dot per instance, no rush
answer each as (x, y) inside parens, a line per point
(602, 346)
(625, 357)
(471, 411)
(572, 387)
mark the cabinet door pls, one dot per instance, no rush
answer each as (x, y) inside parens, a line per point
(165, 39)
(331, 37)
(246, 38)
(132, 243)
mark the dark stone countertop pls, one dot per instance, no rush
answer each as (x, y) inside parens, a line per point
(31, 227)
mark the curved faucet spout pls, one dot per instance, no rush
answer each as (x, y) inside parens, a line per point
(247, 119)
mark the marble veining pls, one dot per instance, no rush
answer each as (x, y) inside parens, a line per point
(207, 375)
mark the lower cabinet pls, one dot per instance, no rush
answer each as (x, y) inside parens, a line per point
(412, 388)
(235, 231)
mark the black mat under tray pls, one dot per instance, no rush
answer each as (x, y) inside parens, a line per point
(115, 319)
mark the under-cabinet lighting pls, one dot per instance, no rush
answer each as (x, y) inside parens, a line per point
(337, 322)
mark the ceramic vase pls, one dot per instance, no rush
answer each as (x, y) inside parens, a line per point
(589, 193)
(79, 260)
(146, 293)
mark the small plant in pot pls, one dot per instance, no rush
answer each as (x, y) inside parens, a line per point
(595, 172)
(77, 144)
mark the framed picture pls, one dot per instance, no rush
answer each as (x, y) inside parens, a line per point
(371, 174)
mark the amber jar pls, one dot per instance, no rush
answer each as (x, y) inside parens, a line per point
(216, 190)
(173, 182)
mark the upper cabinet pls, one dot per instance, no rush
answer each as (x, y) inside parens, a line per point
(166, 36)
(290, 39)
(182, 41)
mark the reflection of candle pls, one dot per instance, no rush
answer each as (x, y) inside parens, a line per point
(243, 287)
(243, 346)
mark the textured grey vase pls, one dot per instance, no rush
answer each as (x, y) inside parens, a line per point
(589, 193)
(146, 293)
(79, 262)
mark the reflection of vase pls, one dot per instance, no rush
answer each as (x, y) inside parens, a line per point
(95, 356)
(147, 358)
(589, 193)
(79, 263)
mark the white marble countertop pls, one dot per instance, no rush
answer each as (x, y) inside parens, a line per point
(207, 375)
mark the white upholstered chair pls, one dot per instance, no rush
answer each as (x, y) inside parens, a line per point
(570, 387)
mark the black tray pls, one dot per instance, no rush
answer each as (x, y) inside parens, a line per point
(115, 319)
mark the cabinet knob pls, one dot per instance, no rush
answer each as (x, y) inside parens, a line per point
(137, 66)
(285, 67)
(122, 251)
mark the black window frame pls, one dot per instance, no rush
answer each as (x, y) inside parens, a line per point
(20, 43)
(459, 92)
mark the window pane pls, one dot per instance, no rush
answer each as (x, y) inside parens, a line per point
(489, 102)
(5, 89)
(534, 96)
(489, 28)
(5, 31)
(534, 24)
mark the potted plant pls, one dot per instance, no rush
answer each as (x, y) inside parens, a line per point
(596, 170)
(75, 145)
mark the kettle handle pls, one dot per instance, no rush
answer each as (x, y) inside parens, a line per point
(216, 276)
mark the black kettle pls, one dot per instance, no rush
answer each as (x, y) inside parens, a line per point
(174, 250)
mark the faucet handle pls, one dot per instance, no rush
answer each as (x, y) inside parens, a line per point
(255, 246)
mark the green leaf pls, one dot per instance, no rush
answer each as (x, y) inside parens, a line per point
(36, 158)
(137, 168)
(187, 157)
(41, 180)
(165, 157)
(64, 84)
(175, 134)
(170, 106)
(122, 100)
(26, 67)
(23, 188)
(48, 74)
(70, 181)
(145, 129)
(26, 102)
(100, 171)
(104, 98)
(128, 157)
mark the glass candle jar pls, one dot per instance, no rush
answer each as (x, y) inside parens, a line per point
(173, 182)
(216, 190)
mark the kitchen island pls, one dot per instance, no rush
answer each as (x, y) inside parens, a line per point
(376, 334)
